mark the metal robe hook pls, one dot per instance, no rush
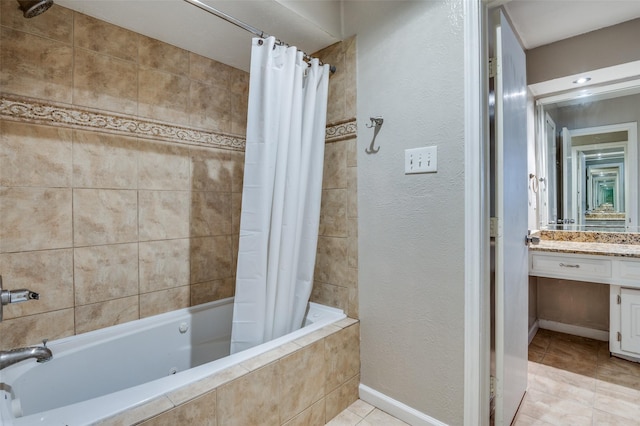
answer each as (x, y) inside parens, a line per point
(376, 123)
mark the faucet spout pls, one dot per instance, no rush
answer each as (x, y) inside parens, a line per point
(39, 353)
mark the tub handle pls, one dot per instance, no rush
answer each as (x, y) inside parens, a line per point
(15, 296)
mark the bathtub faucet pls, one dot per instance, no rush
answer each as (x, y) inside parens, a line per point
(15, 296)
(40, 353)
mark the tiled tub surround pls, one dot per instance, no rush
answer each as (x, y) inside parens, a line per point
(336, 274)
(109, 228)
(144, 228)
(114, 224)
(120, 174)
(112, 216)
(306, 383)
(196, 341)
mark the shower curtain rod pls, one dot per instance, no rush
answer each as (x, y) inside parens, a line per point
(246, 27)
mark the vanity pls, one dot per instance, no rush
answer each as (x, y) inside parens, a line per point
(604, 258)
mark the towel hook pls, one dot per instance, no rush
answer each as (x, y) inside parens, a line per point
(376, 124)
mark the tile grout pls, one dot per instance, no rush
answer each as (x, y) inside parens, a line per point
(561, 394)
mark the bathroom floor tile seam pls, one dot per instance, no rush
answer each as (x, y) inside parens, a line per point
(574, 381)
(361, 413)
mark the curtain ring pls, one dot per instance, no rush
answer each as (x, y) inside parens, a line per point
(260, 42)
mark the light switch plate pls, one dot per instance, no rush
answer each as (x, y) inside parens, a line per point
(421, 160)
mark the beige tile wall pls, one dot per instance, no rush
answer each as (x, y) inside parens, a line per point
(110, 228)
(336, 273)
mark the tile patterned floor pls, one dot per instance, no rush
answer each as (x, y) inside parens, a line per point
(574, 381)
(362, 414)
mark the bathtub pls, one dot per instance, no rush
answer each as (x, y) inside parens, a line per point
(98, 374)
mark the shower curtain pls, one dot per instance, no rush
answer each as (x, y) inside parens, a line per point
(281, 194)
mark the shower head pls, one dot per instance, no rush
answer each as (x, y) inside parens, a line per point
(34, 8)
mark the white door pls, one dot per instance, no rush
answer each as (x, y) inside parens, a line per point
(630, 320)
(567, 199)
(580, 193)
(547, 165)
(511, 312)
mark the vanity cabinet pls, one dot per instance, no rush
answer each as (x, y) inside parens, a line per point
(623, 276)
(625, 311)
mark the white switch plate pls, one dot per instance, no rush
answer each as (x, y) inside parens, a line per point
(421, 160)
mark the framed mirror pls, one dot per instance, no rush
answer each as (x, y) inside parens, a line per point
(587, 158)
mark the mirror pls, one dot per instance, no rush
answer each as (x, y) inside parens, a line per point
(587, 161)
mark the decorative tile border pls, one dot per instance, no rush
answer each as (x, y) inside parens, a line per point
(342, 130)
(18, 108)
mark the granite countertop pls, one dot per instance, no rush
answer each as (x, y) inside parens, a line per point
(592, 243)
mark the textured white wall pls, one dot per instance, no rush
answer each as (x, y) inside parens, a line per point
(411, 227)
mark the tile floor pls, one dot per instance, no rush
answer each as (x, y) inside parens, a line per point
(362, 414)
(574, 381)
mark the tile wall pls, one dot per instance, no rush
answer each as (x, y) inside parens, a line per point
(110, 225)
(121, 162)
(107, 226)
(336, 273)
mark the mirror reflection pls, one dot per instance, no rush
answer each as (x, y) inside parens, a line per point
(587, 162)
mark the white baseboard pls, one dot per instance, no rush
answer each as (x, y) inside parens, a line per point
(533, 330)
(574, 329)
(396, 408)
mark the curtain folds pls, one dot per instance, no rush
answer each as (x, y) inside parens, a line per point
(281, 194)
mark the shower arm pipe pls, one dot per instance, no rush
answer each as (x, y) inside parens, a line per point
(245, 26)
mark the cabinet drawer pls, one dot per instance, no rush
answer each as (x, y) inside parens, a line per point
(578, 268)
(629, 270)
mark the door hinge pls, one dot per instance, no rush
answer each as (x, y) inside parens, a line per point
(619, 300)
(493, 67)
(619, 337)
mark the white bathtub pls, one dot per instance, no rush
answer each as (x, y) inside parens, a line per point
(95, 375)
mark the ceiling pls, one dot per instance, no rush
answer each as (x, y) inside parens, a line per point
(309, 25)
(540, 22)
(314, 24)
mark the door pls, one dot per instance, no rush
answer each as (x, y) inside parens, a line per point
(580, 193)
(511, 196)
(630, 320)
(567, 198)
(548, 200)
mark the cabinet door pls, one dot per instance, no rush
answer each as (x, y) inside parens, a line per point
(630, 320)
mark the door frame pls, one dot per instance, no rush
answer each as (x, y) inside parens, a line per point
(477, 243)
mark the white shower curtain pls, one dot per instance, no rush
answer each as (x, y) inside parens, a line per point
(281, 194)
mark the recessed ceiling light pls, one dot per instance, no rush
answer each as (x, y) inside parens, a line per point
(582, 80)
